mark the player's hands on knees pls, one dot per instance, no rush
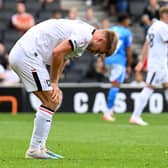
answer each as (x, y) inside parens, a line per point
(139, 67)
(56, 94)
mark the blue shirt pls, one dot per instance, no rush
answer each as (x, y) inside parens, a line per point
(125, 41)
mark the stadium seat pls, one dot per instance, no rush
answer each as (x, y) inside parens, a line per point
(73, 76)
(52, 6)
(136, 8)
(81, 66)
(8, 45)
(44, 15)
(33, 7)
(10, 38)
(5, 15)
(12, 35)
(87, 57)
(2, 26)
(10, 5)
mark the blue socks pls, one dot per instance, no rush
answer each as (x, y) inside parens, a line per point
(111, 97)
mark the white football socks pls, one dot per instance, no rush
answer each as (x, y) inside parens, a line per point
(42, 124)
(142, 101)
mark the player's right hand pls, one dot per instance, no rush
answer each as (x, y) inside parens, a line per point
(56, 94)
(139, 67)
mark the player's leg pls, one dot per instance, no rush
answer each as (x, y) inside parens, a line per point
(111, 97)
(35, 77)
(117, 77)
(42, 122)
(44, 114)
(140, 105)
(143, 98)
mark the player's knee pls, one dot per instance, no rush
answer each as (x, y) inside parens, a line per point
(56, 101)
(52, 103)
(46, 99)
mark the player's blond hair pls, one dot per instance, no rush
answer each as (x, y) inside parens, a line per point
(111, 42)
(163, 10)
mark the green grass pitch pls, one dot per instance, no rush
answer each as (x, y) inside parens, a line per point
(88, 142)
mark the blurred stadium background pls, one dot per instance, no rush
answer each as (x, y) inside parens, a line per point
(84, 140)
(81, 81)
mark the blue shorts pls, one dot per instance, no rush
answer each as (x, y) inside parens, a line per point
(115, 72)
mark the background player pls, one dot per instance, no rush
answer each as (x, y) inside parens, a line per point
(117, 63)
(53, 42)
(156, 48)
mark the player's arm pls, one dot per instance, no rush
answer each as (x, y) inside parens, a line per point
(63, 49)
(144, 52)
(143, 56)
(129, 58)
(57, 66)
(58, 60)
(128, 43)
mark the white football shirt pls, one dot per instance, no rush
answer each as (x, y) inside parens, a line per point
(45, 36)
(157, 39)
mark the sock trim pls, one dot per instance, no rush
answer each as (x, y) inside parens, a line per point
(43, 109)
(47, 108)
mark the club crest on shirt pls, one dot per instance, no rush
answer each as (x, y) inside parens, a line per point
(83, 43)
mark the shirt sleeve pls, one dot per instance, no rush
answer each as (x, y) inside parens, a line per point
(80, 39)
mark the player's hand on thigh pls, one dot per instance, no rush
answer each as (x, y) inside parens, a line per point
(56, 94)
(59, 97)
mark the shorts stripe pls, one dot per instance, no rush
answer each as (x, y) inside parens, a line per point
(152, 78)
(37, 80)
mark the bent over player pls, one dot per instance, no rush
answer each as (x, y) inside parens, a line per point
(53, 42)
(156, 48)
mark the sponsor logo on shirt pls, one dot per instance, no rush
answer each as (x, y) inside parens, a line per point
(48, 83)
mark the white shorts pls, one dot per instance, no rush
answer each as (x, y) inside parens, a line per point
(157, 78)
(31, 69)
(115, 72)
